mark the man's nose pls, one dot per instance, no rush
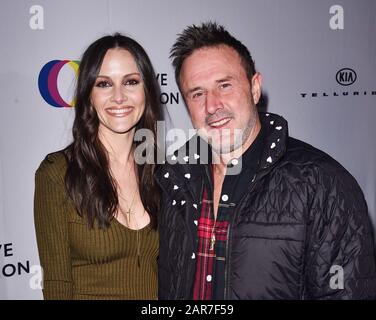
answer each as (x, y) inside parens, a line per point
(213, 101)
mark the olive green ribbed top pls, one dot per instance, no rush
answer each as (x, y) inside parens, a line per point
(83, 263)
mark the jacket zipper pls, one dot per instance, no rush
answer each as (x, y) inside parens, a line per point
(228, 241)
(212, 240)
(192, 270)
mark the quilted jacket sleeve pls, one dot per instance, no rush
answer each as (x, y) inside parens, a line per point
(340, 259)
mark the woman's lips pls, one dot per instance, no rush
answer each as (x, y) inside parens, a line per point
(119, 112)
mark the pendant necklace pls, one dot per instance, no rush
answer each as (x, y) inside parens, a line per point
(127, 215)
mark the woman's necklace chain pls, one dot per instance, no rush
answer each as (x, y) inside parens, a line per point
(127, 215)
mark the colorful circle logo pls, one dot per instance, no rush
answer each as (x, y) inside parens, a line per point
(47, 82)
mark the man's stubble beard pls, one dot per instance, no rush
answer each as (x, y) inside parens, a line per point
(239, 136)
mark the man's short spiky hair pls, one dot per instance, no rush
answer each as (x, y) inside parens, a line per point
(208, 34)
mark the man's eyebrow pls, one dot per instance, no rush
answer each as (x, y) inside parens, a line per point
(193, 90)
(225, 79)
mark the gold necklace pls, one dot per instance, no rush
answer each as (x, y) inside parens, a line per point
(129, 211)
(127, 215)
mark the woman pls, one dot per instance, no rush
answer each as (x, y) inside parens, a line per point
(95, 202)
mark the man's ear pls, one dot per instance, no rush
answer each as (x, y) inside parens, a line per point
(256, 87)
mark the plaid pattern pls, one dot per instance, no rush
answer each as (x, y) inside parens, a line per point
(212, 237)
(213, 262)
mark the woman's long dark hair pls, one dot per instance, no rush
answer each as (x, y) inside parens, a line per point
(88, 180)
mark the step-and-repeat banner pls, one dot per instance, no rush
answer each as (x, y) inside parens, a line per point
(318, 60)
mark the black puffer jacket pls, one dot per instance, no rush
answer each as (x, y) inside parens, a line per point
(302, 226)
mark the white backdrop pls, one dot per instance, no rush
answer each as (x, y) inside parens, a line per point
(298, 45)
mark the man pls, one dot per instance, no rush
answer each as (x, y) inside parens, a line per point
(292, 225)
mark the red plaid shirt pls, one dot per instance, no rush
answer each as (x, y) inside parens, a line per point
(212, 236)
